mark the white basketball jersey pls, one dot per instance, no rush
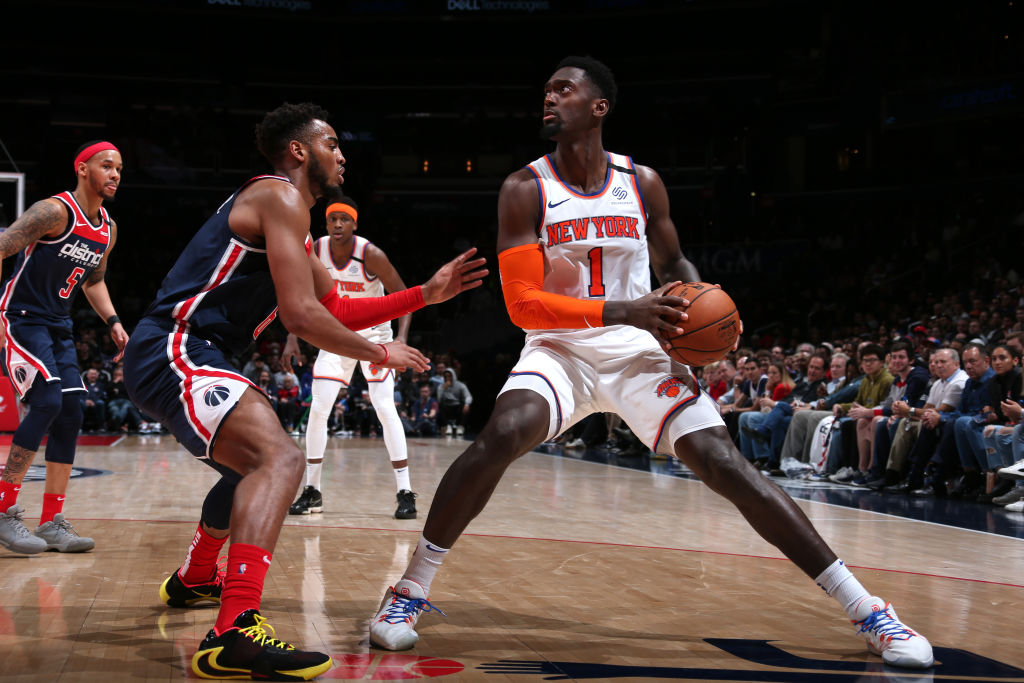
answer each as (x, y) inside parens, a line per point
(353, 280)
(595, 245)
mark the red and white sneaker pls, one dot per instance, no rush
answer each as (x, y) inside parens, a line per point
(393, 627)
(898, 644)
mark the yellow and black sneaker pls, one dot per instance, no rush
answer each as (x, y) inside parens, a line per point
(248, 651)
(176, 593)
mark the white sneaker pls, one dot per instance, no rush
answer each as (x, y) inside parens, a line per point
(459, 430)
(889, 637)
(448, 430)
(392, 626)
(15, 536)
(1015, 507)
(59, 535)
(844, 475)
(1014, 471)
(576, 443)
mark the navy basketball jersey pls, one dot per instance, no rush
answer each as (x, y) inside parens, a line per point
(49, 272)
(220, 288)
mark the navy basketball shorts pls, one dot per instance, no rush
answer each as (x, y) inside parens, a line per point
(184, 381)
(35, 349)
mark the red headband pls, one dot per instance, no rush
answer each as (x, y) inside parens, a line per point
(92, 150)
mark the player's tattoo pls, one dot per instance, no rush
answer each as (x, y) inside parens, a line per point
(17, 464)
(41, 218)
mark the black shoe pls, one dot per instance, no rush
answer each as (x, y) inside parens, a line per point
(970, 486)
(309, 501)
(1001, 488)
(406, 505)
(754, 434)
(248, 650)
(879, 483)
(900, 487)
(926, 491)
(175, 593)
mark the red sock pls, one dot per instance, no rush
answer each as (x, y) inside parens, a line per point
(53, 503)
(243, 585)
(201, 560)
(8, 495)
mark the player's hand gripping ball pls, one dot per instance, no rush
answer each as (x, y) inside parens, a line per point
(711, 328)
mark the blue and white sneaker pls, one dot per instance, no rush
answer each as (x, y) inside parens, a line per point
(393, 627)
(887, 636)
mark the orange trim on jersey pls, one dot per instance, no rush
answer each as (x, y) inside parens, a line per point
(343, 208)
(529, 306)
(558, 179)
(331, 379)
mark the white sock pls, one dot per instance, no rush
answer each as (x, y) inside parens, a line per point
(313, 470)
(424, 563)
(840, 584)
(402, 479)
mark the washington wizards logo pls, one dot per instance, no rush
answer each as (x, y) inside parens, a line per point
(216, 395)
(20, 374)
(670, 386)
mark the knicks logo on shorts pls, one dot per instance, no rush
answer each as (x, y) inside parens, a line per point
(670, 386)
(216, 395)
(374, 369)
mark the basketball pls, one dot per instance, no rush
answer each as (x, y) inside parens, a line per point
(712, 326)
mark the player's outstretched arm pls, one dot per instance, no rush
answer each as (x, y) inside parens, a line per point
(455, 277)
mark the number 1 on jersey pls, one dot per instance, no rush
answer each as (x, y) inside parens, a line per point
(72, 281)
(596, 273)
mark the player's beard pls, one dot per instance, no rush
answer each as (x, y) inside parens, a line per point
(550, 130)
(319, 178)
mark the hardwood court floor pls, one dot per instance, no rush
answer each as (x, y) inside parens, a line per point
(575, 571)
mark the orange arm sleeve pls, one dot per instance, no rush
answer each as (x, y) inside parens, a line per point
(529, 306)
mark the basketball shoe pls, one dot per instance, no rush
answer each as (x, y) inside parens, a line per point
(15, 536)
(248, 651)
(176, 593)
(406, 505)
(889, 637)
(392, 627)
(309, 501)
(62, 537)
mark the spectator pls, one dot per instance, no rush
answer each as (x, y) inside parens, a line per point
(925, 426)
(772, 430)
(288, 404)
(1004, 387)
(910, 387)
(422, 419)
(254, 366)
(780, 384)
(265, 383)
(453, 399)
(122, 415)
(873, 390)
(93, 402)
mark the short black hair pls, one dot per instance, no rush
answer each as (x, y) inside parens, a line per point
(872, 350)
(902, 345)
(284, 124)
(597, 73)
(335, 195)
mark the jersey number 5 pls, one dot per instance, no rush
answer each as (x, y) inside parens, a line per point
(72, 280)
(596, 273)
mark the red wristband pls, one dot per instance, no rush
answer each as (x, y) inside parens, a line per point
(387, 355)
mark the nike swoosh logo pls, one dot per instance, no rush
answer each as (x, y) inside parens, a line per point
(553, 205)
(206, 662)
(266, 559)
(60, 499)
(436, 550)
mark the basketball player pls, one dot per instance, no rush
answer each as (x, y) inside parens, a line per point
(248, 262)
(361, 269)
(63, 244)
(594, 344)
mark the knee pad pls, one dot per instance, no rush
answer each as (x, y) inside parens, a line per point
(217, 506)
(64, 430)
(44, 404)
